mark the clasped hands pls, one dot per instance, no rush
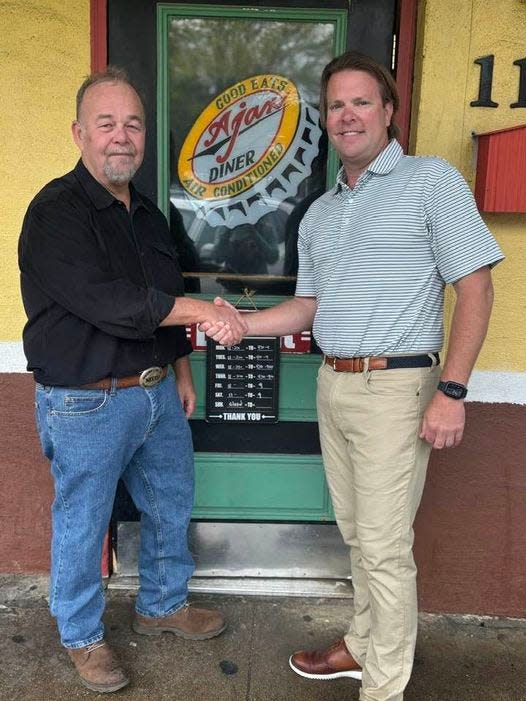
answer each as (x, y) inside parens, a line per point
(226, 325)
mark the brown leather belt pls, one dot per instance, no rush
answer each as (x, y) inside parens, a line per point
(147, 378)
(385, 363)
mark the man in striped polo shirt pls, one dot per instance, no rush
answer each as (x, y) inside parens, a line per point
(375, 254)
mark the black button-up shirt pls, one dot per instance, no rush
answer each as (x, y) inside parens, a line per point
(96, 282)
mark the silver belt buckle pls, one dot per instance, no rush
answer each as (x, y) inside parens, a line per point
(150, 377)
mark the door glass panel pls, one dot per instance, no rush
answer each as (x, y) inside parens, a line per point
(246, 152)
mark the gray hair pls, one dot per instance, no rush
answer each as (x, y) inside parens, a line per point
(112, 74)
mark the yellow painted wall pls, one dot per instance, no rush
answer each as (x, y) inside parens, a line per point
(44, 54)
(452, 34)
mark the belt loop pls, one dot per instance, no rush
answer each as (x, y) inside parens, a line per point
(365, 366)
(113, 388)
(434, 361)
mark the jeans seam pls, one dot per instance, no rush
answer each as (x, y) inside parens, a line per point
(65, 531)
(161, 570)
(152, 424)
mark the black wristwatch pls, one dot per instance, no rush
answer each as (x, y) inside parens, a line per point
(453, 389)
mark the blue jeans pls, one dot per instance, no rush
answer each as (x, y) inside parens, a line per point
(93, 438)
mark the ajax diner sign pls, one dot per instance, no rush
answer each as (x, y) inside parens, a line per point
(248, 150)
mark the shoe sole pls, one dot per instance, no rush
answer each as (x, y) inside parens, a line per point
(104, 688)
(335, 675)
(146, 630)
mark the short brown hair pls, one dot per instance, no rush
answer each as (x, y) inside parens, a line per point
(355, 61)
(112, 74)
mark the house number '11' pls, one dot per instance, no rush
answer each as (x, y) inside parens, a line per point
(486, 80)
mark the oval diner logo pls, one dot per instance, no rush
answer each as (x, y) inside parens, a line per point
(254, 142)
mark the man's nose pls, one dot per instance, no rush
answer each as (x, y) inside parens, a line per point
(120, 134)
(349, 112)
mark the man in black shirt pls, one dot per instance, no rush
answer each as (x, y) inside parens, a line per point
(106, 342)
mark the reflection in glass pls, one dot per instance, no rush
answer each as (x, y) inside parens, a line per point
(245, 241)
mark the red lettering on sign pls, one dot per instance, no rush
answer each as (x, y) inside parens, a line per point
(231, 126)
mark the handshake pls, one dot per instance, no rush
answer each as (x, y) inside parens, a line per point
(226, 325)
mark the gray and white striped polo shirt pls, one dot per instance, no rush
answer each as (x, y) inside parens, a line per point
(377, 257)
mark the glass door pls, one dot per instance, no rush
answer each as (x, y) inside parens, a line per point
(241, 157)
(241, 152)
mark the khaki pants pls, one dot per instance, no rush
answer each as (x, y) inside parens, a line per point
(375, 465)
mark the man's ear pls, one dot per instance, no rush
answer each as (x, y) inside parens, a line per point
(76, 131)
(388, 113)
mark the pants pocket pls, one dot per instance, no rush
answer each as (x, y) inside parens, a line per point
(77, 402)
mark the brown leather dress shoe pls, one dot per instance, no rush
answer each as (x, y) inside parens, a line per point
(97, 667)
(187, 622)
(333, 662)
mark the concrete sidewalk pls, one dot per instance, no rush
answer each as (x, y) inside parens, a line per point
(457, 659)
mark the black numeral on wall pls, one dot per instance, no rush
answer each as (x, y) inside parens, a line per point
(486, 80)
(521, 102)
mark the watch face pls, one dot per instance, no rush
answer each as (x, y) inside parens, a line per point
(453, 389)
